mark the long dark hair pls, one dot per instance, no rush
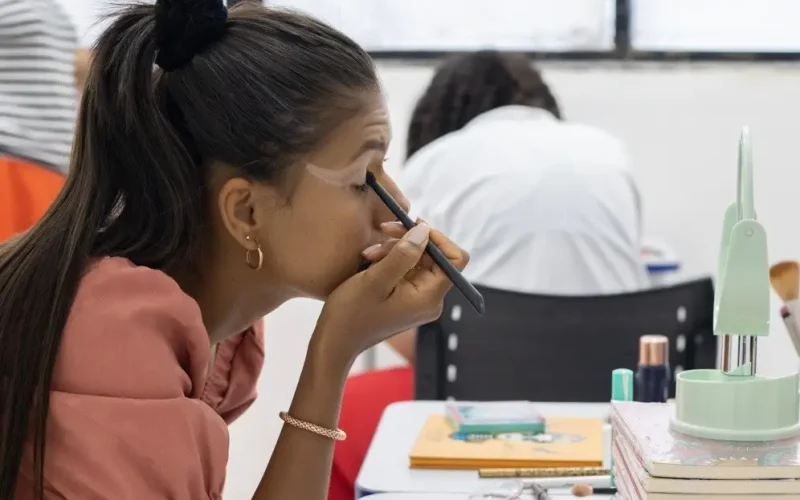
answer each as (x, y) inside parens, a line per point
(467, 85)
(251, 89)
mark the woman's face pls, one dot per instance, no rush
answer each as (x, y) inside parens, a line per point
(313, 241)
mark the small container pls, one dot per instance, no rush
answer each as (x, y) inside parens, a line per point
(495, 417)
(621, 390)
(653, 372)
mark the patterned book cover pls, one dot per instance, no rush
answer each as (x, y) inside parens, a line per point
(629, 466)
(566, 442)
(666, 453)
(630, 488)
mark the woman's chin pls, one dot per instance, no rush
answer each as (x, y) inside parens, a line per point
(356, 268)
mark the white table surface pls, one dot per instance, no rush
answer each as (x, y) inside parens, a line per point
(385, 468)
(453, 496)
(460, 496)
(418, 496)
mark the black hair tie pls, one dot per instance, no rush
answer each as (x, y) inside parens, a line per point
(185, 28)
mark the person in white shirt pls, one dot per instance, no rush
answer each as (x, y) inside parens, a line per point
(542, 205)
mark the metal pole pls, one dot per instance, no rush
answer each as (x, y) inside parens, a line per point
(737, 351)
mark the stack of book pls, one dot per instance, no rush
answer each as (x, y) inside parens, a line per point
(653, 462)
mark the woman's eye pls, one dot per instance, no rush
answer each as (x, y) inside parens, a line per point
(361, 188)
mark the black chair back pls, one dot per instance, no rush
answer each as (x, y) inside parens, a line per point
(558, 348)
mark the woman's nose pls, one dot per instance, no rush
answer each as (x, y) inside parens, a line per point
(390, 186)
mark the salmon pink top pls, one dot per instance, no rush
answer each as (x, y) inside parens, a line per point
(135, 413)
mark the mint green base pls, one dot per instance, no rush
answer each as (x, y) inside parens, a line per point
(712, 405)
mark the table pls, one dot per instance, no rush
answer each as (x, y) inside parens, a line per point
(453, 496)
(385, 468)
(418, 496)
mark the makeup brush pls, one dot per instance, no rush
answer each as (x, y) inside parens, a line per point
(785, 279)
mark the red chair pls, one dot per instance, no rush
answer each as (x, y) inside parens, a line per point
(366, 396)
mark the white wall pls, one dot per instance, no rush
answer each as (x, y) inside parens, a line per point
(681, 123)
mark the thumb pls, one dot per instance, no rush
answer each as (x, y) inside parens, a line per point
(402, 258)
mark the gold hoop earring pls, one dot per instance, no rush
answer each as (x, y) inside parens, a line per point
(255, 266)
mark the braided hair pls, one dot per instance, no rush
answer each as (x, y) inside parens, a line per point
(468, 85)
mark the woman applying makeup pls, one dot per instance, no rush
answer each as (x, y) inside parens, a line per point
(201, 196)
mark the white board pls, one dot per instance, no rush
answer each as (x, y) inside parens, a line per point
(716, 25)
(453, 25)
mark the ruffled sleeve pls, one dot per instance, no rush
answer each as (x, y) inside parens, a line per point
(126, 419)
(231, 385)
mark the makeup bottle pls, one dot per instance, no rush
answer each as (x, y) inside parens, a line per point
(652, 372)
(621, 390)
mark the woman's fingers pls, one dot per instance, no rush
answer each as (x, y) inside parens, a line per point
(395, 229)
(377, 252)
(454, 253)
(436, 279)
(457, 256)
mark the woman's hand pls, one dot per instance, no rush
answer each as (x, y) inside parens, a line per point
(402, 289)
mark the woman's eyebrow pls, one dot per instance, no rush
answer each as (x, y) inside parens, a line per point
(370, 145)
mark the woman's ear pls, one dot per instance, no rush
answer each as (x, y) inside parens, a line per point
(236, 203)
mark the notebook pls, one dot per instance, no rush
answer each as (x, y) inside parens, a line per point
(628, 488)
(668, 454)
(566, 442)
(645, 484)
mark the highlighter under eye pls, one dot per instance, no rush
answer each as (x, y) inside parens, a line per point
(346, 177)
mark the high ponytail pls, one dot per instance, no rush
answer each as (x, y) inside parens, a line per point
(252, 91)
(118, 199)
(145, 161)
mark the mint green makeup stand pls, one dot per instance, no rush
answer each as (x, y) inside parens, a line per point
(734, 403)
